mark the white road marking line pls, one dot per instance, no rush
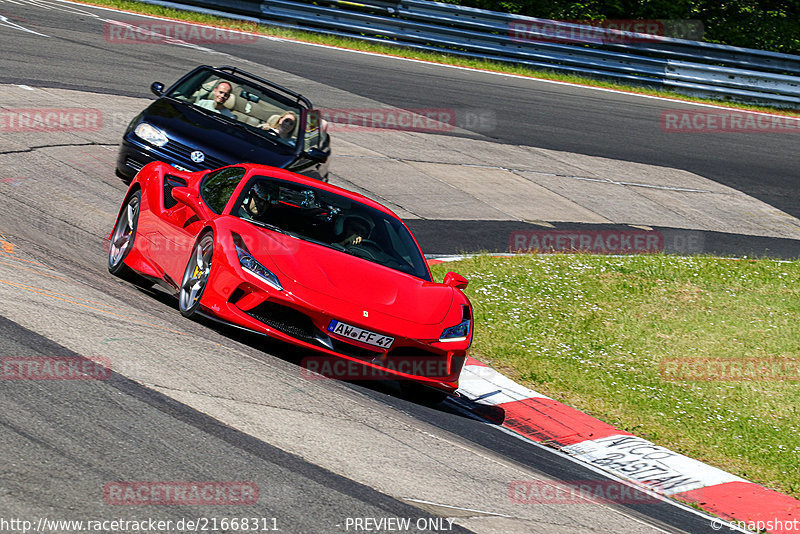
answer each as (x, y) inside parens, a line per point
(5, 22)
(420, 501)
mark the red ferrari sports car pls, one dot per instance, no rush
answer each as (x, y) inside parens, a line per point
(299, 260)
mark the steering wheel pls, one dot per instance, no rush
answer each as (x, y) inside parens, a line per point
(366, 248)
(370, 243)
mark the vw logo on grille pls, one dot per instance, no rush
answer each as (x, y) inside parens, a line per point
(198, 157)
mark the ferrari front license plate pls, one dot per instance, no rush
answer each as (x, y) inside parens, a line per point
(359, 334)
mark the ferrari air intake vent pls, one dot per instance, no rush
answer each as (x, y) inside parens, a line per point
(351, 350)
(169, 183)
(413, 352)
(285, 319)
(298, 325)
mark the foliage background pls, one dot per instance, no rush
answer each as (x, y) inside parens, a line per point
(763, 24)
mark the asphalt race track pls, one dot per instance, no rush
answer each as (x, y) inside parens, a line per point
(192, 402)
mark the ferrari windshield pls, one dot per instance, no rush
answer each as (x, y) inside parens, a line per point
(252, 105)
(331, 220)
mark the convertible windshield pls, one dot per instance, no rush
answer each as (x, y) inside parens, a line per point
(252, 105)
(333, 221)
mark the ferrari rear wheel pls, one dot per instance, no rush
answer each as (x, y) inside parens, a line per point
(123, 237)
(195, 277)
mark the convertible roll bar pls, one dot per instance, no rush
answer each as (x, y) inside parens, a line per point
(244, 74)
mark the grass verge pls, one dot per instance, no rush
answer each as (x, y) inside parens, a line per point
(595, 332)
(399, 51)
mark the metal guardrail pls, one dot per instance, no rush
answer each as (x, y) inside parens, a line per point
(686, 66)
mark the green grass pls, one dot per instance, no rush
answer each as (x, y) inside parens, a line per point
(399, 51)
(592, 331)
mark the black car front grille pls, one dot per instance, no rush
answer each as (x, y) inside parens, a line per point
(185, 152)
(134, 164)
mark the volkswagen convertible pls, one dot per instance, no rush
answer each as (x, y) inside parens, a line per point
(214, 117)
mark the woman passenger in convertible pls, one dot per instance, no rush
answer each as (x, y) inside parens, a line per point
(282, 125)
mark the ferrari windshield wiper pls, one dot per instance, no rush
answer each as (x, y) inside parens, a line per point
(280, 230)
(321, 243)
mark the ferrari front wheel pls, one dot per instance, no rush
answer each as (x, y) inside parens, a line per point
(123, 236)
(195, 277)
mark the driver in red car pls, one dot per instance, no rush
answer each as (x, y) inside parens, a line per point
(354, 230)
(256, 203)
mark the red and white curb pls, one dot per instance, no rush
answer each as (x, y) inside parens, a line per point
(542, 419)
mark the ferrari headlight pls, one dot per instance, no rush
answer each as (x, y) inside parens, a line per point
(459, 332)
(249, 264)
(151, 134)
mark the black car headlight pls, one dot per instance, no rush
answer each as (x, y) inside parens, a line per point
(151, 134)
(249, 264)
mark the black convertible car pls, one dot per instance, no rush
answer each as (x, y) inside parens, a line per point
(214, 117)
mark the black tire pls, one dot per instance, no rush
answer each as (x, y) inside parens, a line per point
(123, 237)
(195, 277)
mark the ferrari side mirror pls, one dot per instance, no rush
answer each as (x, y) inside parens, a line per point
(185, 197)
(455, 280)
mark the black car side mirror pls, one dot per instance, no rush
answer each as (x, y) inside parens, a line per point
(157, 88)
(317, 155)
